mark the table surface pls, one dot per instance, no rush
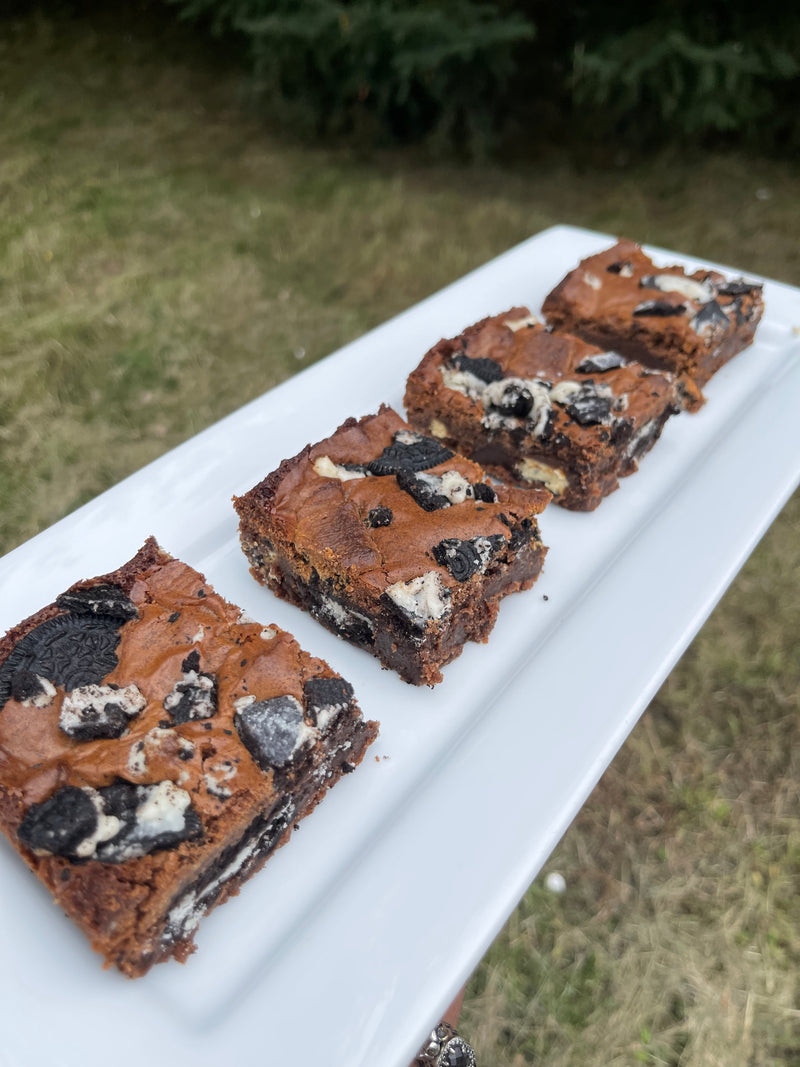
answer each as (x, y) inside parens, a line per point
(345, 949)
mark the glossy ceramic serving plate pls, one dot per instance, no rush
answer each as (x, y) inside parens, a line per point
(347, 946)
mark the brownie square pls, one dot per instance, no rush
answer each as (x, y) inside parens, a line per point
(156, 746)
(689, 324)
(537, 408)
(392, 541)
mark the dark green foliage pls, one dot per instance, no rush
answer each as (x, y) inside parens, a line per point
(393, 68)
(692, 72)
(468, 72)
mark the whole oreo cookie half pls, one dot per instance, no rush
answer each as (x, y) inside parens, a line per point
(68, 650)
(409, 451)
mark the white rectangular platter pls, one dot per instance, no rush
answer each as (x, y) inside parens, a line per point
(347, 946)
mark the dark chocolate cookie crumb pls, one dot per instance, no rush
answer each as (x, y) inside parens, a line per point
(59, 824)
(588, 408)
(484, 492)
(661, 308)
(484, 368)
(101, 599)
(423, 489)
(380, 516)
(325, 698)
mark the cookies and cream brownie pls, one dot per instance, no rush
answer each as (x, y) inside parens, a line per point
(689, 324)
(539, 408)
(392, 541)
(155, 747)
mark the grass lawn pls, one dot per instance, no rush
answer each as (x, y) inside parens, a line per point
(164, 257)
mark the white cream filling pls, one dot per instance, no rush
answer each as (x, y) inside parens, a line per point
(326, 468)
(688, 287)
(520, 324)
(553, 478)
(424, 597)
(107, 827)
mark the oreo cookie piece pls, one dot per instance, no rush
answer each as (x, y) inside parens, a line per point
(600, 363)
(709, 316)
(424, 489)
(484, 368)
(587, 407)
(409, 451)
(661, 308)
(511, 397)
(738, 287)
(465, 558)
(58, 825)
(325, 698)
(99, 712)
(378, 517)
(68, 650)
(271, 730)
(195, 695)
(31, 689)
(151, 818)
(484, 492)
(101, 599)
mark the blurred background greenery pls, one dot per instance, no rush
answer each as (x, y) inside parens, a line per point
(200, 198)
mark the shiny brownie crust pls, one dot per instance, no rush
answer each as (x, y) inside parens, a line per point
(392, 542)
(170, 751)
(689, 324)
(539, 408)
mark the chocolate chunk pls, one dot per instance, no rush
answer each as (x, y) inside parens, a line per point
(484, 368)
(484, 492)
(68, 650)
(325, 698)
(600, 363)
(271, 730)
(661, 308)
(60, 823)
(380, 516)
(424, 489)
(100, 599)
(587, 407)
(410, 451)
